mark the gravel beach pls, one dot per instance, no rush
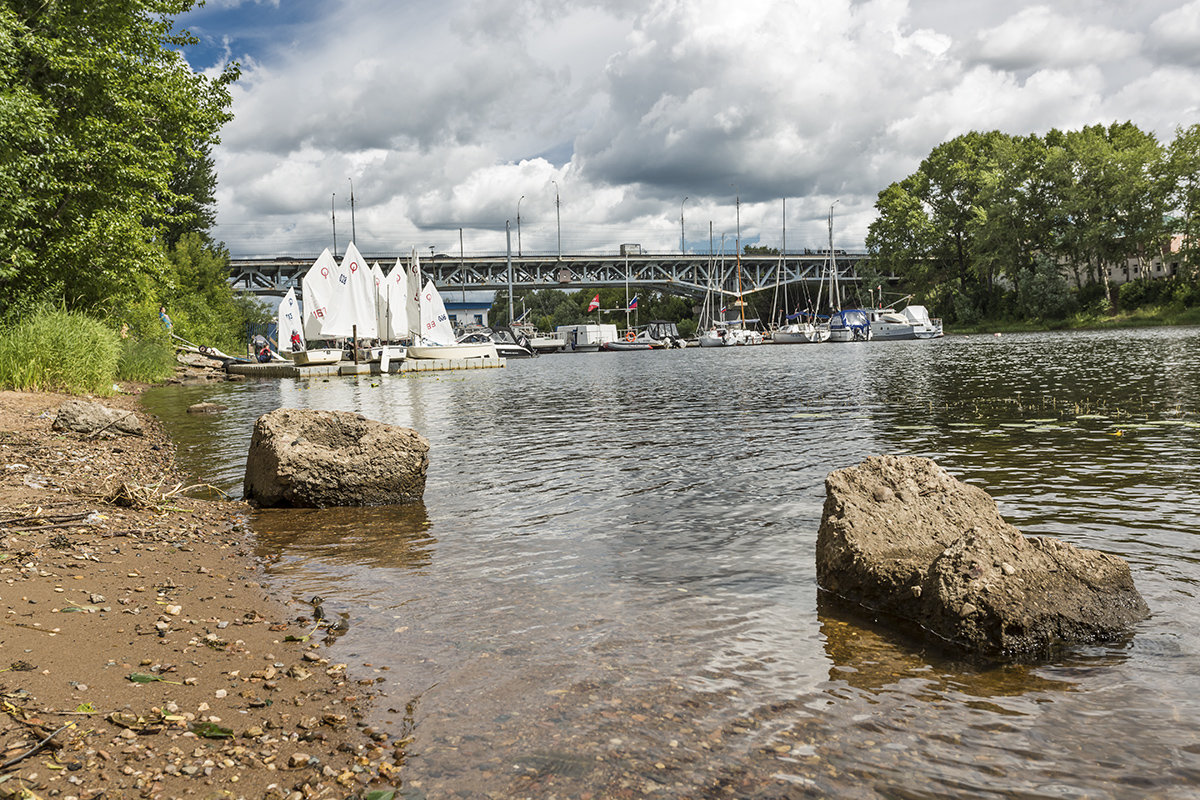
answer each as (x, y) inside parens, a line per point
(140, 653)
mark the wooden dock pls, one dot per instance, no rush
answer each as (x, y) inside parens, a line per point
(280, 369)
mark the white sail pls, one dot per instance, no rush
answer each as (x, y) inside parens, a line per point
(435, 322)
(413, 298)
(360, 297)
(323, 289)
(289, 321)
(379, 281)
(395, 299)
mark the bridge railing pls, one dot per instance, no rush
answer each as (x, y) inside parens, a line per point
(679, 274)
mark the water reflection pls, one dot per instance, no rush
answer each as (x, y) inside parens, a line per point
(873, 653)
(390, 537)
(610, 589)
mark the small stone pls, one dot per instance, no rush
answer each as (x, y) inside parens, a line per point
(296, 760)
(1008, 569)
(968, 609)
(883, 494)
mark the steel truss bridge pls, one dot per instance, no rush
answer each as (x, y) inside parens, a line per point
(688, 275)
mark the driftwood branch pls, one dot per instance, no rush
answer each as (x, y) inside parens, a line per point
(60, 521)
(34, 749)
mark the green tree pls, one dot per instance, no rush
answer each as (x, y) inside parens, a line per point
(100, 116)
(1181, 184)
(1113, 206)
(928, 223)
(192, 199)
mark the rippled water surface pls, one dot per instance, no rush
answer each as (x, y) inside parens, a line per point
(609, 590)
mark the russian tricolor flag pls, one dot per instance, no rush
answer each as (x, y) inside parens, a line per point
(633, 303)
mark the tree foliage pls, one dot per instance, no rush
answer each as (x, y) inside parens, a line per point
(991, 221)
(104, 139)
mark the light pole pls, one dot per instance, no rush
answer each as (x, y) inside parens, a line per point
(333, 215)
(519, 226)
(682, 241)
(557, 217)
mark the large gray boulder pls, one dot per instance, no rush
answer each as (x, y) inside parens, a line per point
(901, 535)
(94, 419)
(315, 459)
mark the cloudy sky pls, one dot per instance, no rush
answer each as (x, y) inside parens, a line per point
(443, 114)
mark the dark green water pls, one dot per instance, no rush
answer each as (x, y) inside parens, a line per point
(609, 590)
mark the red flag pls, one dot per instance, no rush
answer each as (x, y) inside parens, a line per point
(592, 306)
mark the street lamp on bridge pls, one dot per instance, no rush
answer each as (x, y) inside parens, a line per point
(518, 231)
(557, 217)
(682, 243)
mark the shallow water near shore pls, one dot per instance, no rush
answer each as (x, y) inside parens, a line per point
(610, 590)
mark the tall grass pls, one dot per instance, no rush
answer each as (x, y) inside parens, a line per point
(59, 351)
(145, 361)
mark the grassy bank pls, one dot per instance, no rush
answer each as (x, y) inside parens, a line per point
(1148, 317)
(64, 351)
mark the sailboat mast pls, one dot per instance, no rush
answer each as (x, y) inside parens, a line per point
(741, 303)
(783, 261)
(835, 295)
(626, 293)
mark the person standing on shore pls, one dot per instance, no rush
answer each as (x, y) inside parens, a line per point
(162, 314)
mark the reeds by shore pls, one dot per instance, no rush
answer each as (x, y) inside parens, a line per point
(65, 351)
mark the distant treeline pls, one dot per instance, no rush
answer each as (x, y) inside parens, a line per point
(993, 226)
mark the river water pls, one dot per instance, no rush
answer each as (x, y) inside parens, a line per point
(609, 590)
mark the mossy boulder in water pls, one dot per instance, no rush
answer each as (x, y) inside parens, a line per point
(901, 535)
(305, 458)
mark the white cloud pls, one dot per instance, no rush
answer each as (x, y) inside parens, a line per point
(446, 114)
(1176, 34)
(1039, 36)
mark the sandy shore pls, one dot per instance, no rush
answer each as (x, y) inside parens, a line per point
(140, 654)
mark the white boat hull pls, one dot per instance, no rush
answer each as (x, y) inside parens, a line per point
(848, 335)
(802, 334)
(452, 351)
(395, 352)
(547, 344)
(891, 332)
(322, 355)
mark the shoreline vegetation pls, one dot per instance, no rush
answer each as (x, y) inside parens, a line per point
(144, 655)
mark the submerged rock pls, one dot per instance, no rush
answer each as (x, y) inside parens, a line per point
(206, 408)
(94, 419)
(305, 458)
(901, 535)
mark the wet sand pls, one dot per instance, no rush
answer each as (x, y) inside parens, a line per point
(141, 654)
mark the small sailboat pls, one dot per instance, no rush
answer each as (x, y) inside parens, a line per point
(801, 330)
(359, 298)
(436, 336)
(290, 328)
(393, 321)
(322, 311)
(845, 324)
